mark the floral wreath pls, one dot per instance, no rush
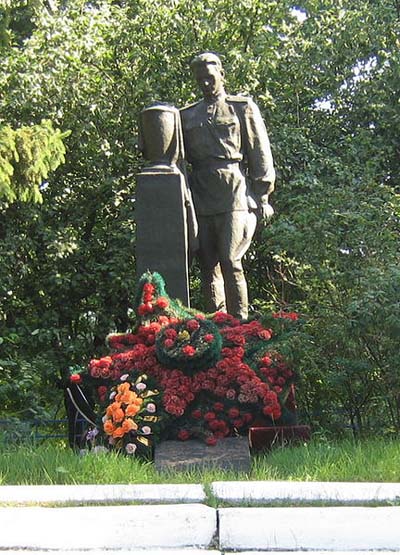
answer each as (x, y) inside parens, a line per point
(190, 345)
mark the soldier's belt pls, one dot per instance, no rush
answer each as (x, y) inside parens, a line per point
(214, 164)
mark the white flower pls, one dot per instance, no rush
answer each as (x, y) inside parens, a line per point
(141, 386)
(105, 417)
(151, 407)
(130, 448)
(124, 377)
(146, 430)
(112, 394)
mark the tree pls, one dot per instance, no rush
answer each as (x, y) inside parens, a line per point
(325, 73)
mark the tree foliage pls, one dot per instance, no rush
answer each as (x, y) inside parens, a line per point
(326, 76)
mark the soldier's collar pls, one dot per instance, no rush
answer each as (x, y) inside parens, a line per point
(217, 98)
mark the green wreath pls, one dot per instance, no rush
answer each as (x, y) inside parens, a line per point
(189, 345)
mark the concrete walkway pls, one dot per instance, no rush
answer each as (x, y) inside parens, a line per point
(174, 519)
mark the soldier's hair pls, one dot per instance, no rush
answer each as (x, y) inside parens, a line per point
(204, 59)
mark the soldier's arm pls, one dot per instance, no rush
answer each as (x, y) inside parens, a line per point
(258, 153)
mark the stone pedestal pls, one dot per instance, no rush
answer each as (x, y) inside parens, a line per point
(161, 232)
(231, 453)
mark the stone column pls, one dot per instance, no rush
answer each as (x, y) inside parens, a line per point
(161, 202)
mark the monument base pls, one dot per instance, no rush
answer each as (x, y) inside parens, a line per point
(231, 453)
(266, 437)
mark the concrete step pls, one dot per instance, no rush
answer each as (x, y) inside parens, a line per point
(113, 493)
(107, 528)
(263, 492)
(309, 528)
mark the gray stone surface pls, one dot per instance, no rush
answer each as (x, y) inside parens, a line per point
(107, 528)
(161, 232)
(229, 454)
(343, 492)
(158, 551)
(118, 493)
(328, 528)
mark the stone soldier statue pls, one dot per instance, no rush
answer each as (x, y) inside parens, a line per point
(231, 177)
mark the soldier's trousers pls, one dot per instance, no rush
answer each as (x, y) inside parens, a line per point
(223, 240)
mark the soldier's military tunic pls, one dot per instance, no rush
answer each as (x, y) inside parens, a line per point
(227, 145)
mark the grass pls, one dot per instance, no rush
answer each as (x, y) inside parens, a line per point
(375, 460)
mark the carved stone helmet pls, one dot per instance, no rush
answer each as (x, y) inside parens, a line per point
(160, 136)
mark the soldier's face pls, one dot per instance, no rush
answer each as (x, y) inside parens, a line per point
(210, 79)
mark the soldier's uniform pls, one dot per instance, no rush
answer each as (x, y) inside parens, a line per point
(232, 173)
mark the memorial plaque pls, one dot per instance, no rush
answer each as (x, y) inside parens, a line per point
(230, 453)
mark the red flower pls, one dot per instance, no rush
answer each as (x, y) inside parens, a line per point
(233, 412)
(196, 414)
(183, 435)
(168, 343)
(219, 407)
(142, 309)
(209, 416)
(192, 325)
(102, 392)
(208, 338)
(75, 378)
(211, 440)
(162, 302)
(265, 334)
(188, 350)
(170, 333)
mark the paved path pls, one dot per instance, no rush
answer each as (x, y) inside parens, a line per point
(175, 520)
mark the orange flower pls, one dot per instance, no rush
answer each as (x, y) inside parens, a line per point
(118, 415)
(128, 425)
(118, 432)
(108, 427)
(123, 387)
(131, 410)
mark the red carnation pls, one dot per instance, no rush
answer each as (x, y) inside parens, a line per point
(219, 407)
(75, 378)
(208, 338)
(188, 350)
(265, 334)
(211, 440)
(196, 414)
(192, 325)
(233, 412)
(142, 309)
(183, 435)
(209, 416)
(102, 392)
(162, 302)
(168, 343)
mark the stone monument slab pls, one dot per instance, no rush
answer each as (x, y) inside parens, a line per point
(228, 454)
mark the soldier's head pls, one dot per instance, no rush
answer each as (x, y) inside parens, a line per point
(209, 74)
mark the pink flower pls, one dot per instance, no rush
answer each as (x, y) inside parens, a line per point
(130, 448)
(168, 343)
(208, 338)
(151, 408)
(146, 430)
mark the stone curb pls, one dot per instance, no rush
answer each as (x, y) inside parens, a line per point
(342, 492)
(256, 492)
(310, 528)
(118, 493)
(107, 528)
